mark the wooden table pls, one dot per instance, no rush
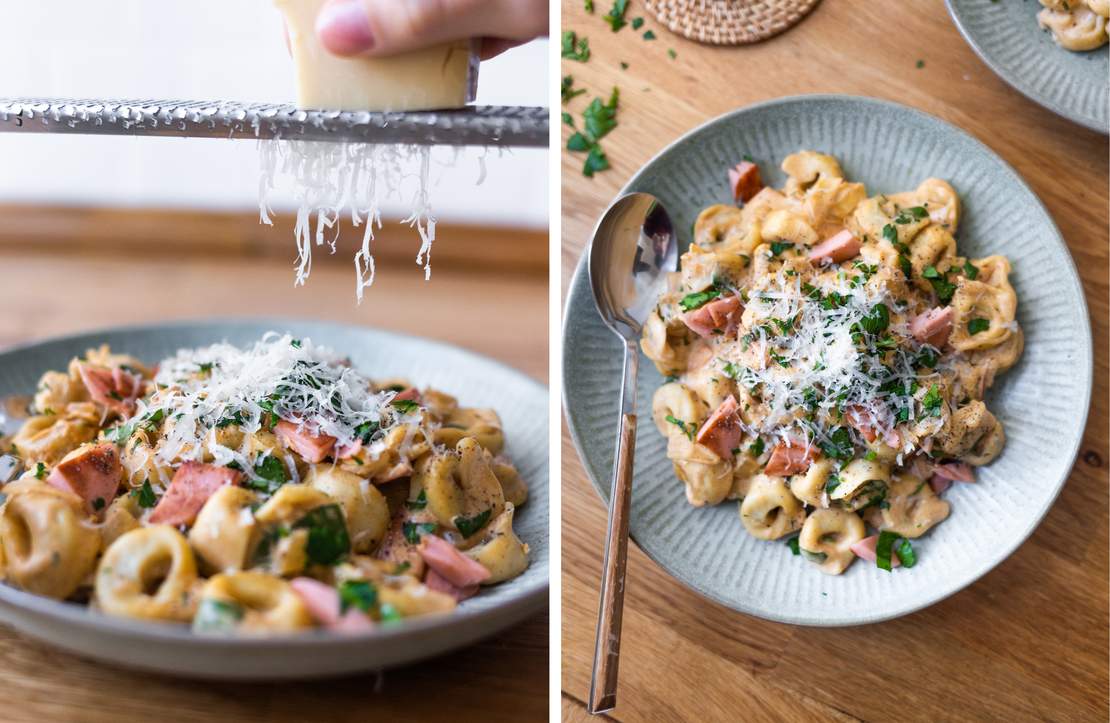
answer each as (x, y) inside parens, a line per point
(56, 281)
(1029, 640)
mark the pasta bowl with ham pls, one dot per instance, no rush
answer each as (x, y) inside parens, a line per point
(845, 425)
(257, 492)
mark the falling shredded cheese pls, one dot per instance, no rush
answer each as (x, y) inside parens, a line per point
(330, 178)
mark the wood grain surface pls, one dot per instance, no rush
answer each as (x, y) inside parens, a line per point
(1026, 642)
(59, 286)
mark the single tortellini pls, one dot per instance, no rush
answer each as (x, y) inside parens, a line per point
(984, 315)
(439, 404)
(250, 602)
(364, 506)
(49, 547)
(513, 485)
(482, 424)
(47, 438)
(121, 517)
(677, 410)
(148, 573)
(411, 598)
(911, 508)
(718, 224)
(829, 202)
(667, 344)
(859, 482)
(224, 529)
(827, 538)
(462, 484)
(501, 551)
(1077, 28)
(807, 167)
(972, 434)
(810, 488)
(939, 200)
(788, 226)
(977, 372)
(290, 503)
(770, 511)
(56, 390)
(708, 478)
(933, 247)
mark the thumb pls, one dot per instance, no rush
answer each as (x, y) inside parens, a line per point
(385, 27)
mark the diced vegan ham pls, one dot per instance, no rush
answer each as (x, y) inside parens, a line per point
(786, 461)
(192, 485)
(721, 432)
(113, 388)
(717, 317)
(933, 326)
(836, 249)
(455, 567)
(313, 447)
(939, 484)
(744, 180)
(92, 472)
(323, 604)
(864, 422)
(955, 471)
(865, 549)
(439, 583)
(410, 394)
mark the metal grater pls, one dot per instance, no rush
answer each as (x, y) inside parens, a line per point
(470, 126)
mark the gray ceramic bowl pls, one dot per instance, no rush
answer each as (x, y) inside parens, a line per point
(1042, 401)
(1006, 36)
(475, 380)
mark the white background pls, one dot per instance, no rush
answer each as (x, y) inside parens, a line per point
(203, 50)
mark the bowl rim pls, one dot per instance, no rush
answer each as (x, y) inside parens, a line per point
(528, 600)
(1015, 81)
(691, 582)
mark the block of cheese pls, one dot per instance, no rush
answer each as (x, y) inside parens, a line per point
(444, 76)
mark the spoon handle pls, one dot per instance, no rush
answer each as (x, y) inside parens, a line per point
(603, 684)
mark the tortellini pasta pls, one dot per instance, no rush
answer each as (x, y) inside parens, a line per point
(270, 489)
(1076, 24)
(828, 356)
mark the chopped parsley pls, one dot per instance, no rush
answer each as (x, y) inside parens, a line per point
(977, 325)
(687, 429)
(649, 35)
(40, 470)
(615, 16)
(569, 92)
(598, 120)
(359, 594)
(637, 23)
(574, 48)
(328, 541)
(755, 449)
(932, 403)
(413, 531)
(777, 247)
(404, 406)
(467, 526)
(839, 445)
(970, 271)
(699, 299)
(876, 320)
(942, 287)
(271, 473)
(832, 483)
(905, 553)
(792, 543)
(884, 548)
(419, 503)
(145, 495)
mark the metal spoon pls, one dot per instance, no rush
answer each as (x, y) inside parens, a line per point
(632, 251)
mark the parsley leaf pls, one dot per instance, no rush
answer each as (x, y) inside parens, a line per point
(649, 35)
(792, 543)
(600, 118)
(272, 474)
(884, 548)
(687, 429)
(359, 594)
(699, 299)
(574, 48)
(467, 526)
(756, 447)
(415, 530)
(637, 23)
(595, 161)
(977, 325)
(40, 470)
(839, 445)
(145, 494)
(905, 553)
(970, 271)
(404, 406)
(777, 247)
(615, 16)
(876, 320)
(328, 541)
(419, 503)
(568, 91)
(932, 403)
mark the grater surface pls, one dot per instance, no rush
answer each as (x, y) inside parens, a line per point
(471, 126)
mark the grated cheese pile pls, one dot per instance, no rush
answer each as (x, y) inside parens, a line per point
(329, 178)
(807, 349)
(200, 391)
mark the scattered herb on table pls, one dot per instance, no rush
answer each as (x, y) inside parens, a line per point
(615, 16)
(575, 48)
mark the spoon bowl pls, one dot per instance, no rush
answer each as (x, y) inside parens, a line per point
(633, 249)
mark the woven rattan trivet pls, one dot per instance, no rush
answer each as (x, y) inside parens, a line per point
(729, 22)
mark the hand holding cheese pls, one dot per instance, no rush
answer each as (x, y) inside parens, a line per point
(385, 27)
